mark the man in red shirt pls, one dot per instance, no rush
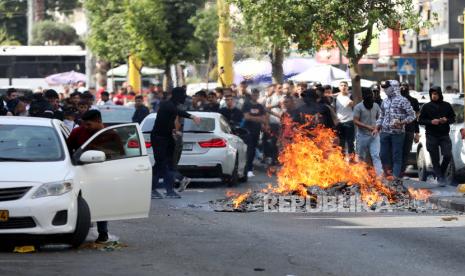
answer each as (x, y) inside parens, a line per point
(91, 124)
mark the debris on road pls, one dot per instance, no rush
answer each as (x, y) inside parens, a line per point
(107, 247)
(449, 218)
(24, 249)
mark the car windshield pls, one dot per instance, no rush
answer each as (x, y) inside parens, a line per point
(117, 115)
(458, 109)
(29, 143)
(206, 125)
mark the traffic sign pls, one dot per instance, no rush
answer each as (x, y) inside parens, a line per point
(406, 66)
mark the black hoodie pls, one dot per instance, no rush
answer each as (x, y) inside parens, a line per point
(436, 110)
(167, 112)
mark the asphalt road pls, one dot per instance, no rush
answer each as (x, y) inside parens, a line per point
(185, 237)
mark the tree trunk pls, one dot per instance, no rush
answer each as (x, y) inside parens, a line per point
(277, 59)
(167, 80)
(101, 73)
(209, 65)
(180, 75)
(356, 83)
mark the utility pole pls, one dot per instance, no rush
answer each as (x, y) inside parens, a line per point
(30, 20)
(225, 46)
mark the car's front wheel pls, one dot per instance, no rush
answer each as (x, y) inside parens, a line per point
(82, 224)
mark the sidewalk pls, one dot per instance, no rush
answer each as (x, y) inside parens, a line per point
(446, 197)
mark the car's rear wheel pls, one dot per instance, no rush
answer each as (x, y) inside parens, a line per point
(421, 165)
(231, 180)
(82, 224)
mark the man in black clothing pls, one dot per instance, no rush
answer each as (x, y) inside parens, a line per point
(254, 119)
(232, 114)
(412, 130)
(54, 101)
(141, 110)
(320, 112)
(212, 104)
(437, 115)
(40, 107)
(163, 142)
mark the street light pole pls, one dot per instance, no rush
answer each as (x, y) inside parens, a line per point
(225, 46)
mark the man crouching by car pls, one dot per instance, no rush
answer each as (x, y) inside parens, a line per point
(91, 124)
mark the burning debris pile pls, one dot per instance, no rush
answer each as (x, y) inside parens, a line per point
(340, 197)
(314, 168)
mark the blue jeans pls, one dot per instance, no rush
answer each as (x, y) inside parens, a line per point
(392, 146)
(369, 144)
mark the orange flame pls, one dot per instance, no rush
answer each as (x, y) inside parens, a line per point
(313, 159)
(420, 194)
(239, 199)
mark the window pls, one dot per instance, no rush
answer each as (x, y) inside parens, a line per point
(206, 125)
(30, 143)
(117, 143)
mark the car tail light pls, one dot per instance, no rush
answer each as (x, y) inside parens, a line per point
(148, 144)
(213, 143)
(133, 144)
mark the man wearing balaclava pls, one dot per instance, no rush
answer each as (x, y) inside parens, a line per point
(396, 112)
(436, 116)
(320, 112)
(412, 130)
(365, 115)
(163, 142)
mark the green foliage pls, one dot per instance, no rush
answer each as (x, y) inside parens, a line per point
(108, 37)
(206, 29)
(54, 33)
(6, 39)
(160, 30)
(13, 19)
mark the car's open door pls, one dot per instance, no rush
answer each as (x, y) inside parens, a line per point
(119, 187)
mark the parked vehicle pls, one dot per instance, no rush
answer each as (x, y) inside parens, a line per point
(210, 150)
(116, 114)
(61, 194)
(456, 169)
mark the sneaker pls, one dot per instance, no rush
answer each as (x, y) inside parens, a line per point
(250, 174)
(432, 180)
(156, 195)
(172, 195)
(102, 238)
(442, 182)
(183, 184)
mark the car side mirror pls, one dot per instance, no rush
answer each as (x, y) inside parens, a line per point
(92, 156)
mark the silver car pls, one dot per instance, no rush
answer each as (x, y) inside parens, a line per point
(210, 149)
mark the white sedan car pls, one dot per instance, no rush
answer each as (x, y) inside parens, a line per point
(48, 194)
(210, 149)
(456, 169)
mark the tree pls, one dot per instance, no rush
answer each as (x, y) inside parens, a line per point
(267, 23)
(108, 37)
(323, 22)
(161, 33)
(206, 33)
(54, 33)
(6, 39)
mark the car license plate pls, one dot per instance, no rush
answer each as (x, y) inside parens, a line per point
(187, 146)
(4, 215)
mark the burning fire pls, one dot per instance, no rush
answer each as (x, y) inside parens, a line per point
(420, 194)
(313, 159)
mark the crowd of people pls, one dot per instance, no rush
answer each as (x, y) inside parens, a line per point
(380, 132)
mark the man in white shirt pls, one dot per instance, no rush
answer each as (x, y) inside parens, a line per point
(105, 99)
(345, 115)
